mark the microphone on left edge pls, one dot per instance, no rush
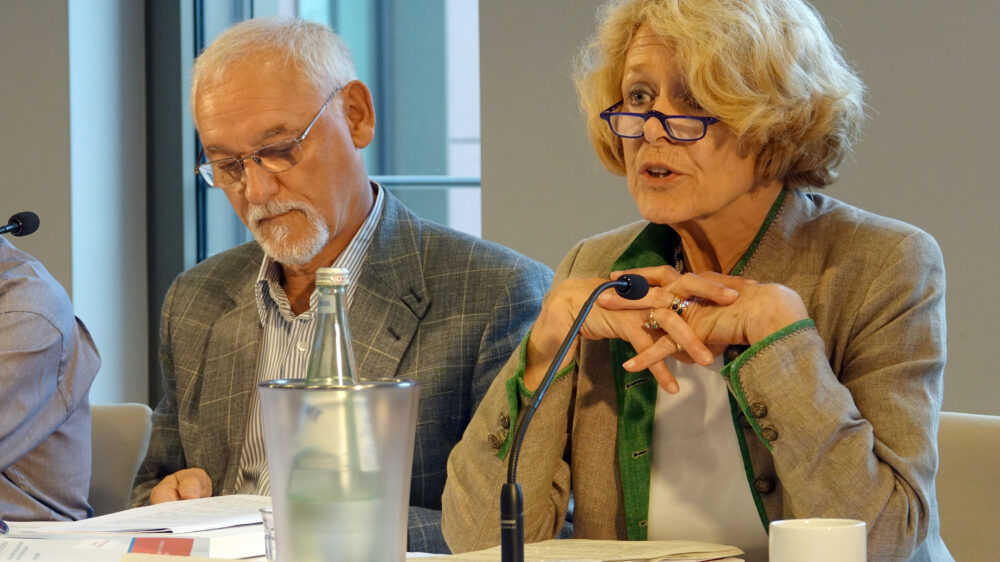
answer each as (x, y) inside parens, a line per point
(21, 224)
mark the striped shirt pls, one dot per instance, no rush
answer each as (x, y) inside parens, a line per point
(287, 340)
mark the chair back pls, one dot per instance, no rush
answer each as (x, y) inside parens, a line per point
(119, 437)
(968, 485)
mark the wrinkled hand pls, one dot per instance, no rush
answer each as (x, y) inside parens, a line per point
(187, 484)
(563, 303)
(755, 311)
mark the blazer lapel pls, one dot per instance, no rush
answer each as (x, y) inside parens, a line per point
(392, 296)
(230, 377)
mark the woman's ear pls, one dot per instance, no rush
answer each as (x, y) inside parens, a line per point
(359, 112)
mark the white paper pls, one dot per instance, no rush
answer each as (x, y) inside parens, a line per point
(90, 549)
(583, 550)
(182, 516)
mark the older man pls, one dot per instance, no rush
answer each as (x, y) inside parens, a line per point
(283, 121)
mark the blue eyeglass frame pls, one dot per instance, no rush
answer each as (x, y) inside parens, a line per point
(610, 112)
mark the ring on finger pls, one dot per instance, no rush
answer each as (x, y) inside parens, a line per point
(651, 323)
(679, 306)
(680, 348)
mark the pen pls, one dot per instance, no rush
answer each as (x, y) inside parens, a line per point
(4, 529)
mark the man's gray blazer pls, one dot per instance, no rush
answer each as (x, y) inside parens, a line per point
(432, 305)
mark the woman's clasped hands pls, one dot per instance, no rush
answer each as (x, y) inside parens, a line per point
(690, 317)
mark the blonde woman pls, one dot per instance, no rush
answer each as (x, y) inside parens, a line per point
(788, 361)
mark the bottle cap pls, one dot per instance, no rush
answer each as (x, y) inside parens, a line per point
(332, 276)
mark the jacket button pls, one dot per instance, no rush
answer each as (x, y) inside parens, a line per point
(733, 351)
(505, 421)
(764, 484)
(495, 441)
(758, 409)
(769, 433)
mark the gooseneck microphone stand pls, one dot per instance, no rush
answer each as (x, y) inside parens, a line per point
(629, 286)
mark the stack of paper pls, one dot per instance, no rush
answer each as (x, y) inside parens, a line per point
(182, 516)
(583, 550)
(217, 527)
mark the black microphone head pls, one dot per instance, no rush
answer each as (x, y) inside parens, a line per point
(29, 223)
(636, 287)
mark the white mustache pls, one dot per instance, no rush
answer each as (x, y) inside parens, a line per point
(258, 213)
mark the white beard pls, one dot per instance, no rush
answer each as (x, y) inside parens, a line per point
(275, 240)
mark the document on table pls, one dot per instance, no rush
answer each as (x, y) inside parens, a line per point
(585, 550)
(236, 542)
(84, 549)
(182, 516)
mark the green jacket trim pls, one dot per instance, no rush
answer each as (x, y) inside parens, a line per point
(771, 214)
(636, 392)
(731, 371)
(734, 411)
(516, 391)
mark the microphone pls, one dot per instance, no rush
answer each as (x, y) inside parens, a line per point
(629, 286)
(21, 224)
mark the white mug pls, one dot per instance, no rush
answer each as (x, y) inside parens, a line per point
(817, 540)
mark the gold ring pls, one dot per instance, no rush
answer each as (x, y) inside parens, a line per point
(680, 348)
(651, 323)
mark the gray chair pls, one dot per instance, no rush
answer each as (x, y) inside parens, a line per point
(119, 437)
(968, 485)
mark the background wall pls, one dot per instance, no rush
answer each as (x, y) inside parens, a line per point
(925, 159)
(543, 188)
(72, 149)
(34, 128)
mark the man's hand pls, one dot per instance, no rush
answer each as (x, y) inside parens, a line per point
(187, 484)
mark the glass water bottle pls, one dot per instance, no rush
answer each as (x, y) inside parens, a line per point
(332, 359)
(336, 485)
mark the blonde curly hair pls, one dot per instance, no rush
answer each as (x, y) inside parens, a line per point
(767, 69)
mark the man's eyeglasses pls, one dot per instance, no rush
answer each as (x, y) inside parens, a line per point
(275, 157)
(685, 128)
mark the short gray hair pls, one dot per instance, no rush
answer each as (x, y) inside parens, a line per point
(311, 48)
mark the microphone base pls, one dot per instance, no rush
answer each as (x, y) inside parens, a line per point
(511, 523)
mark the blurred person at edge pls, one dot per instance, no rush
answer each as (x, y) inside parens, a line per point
(283, 119)
(47, 364)
(787, 362)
